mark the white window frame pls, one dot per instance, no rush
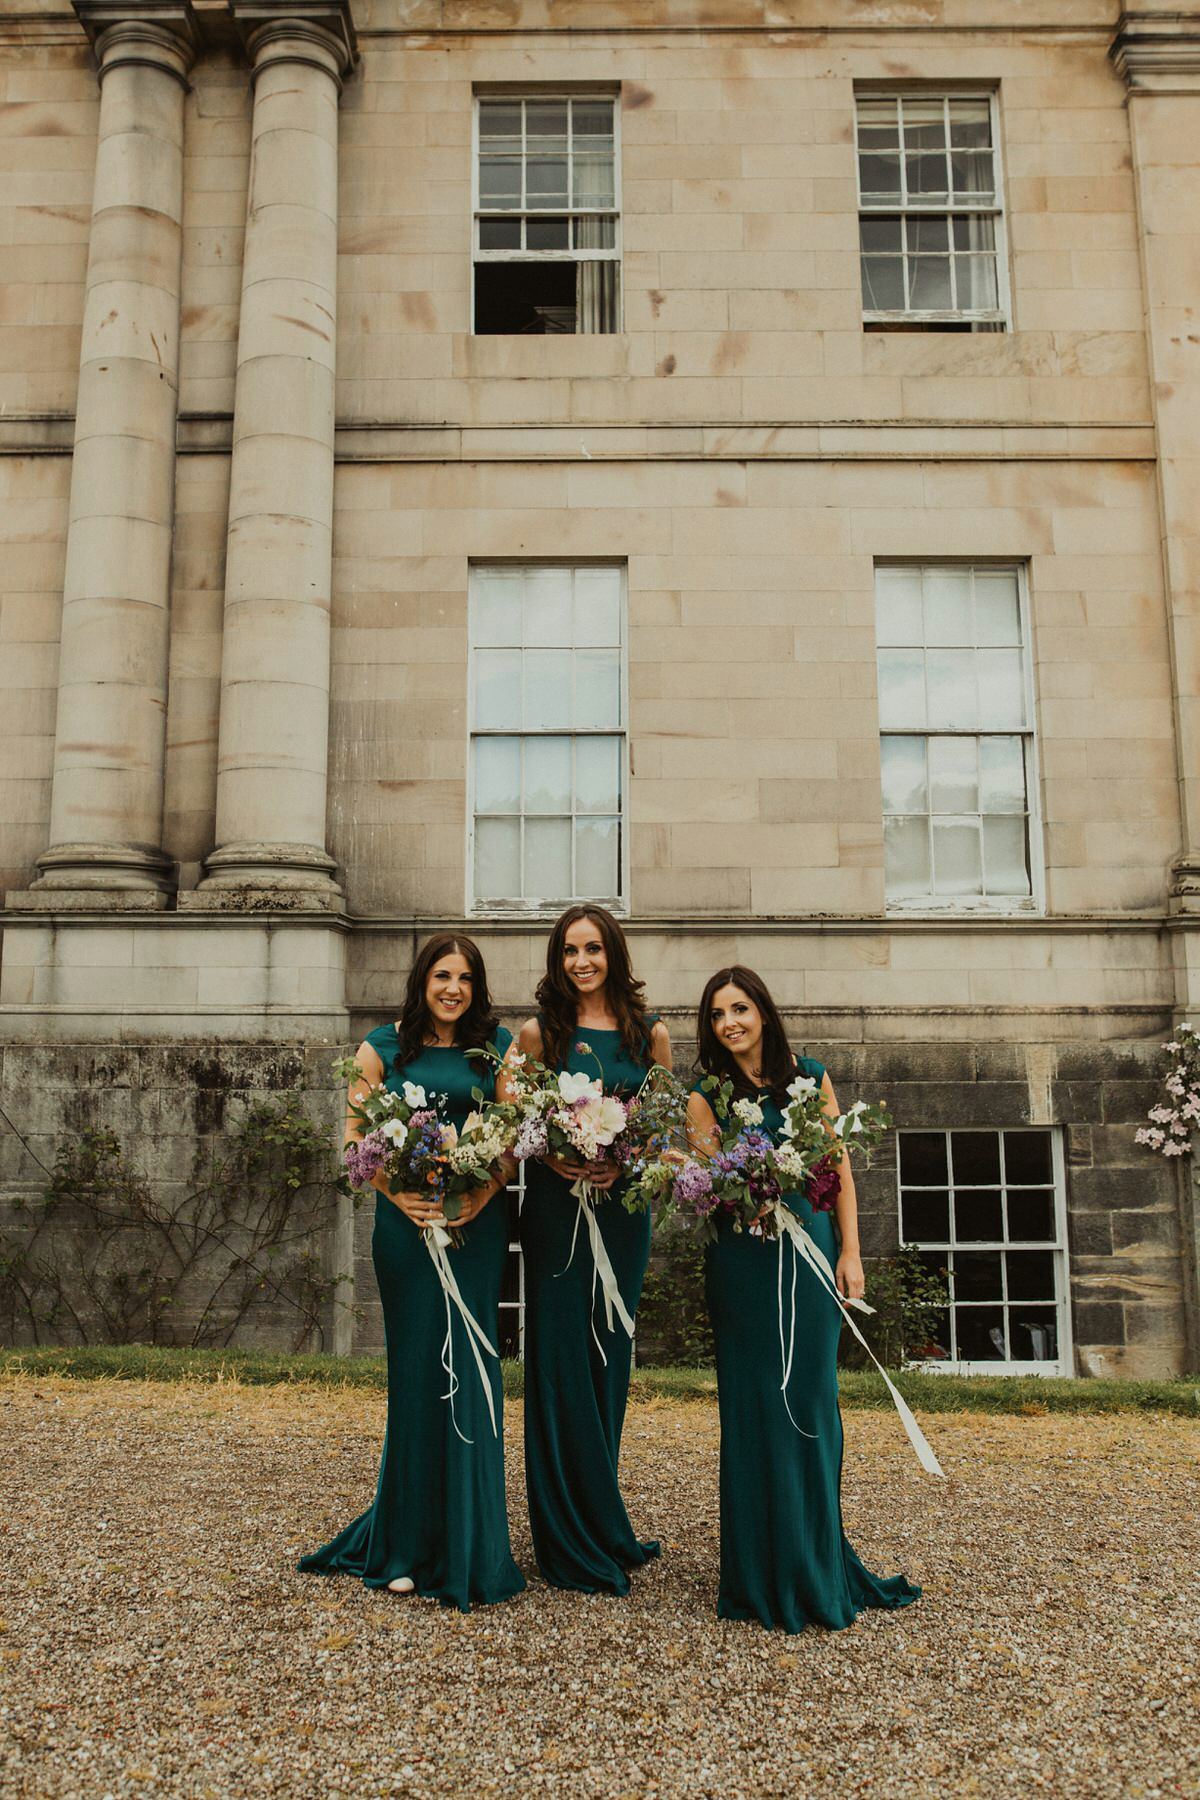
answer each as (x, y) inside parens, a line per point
(516, 1306)
(983, 905)
(1064, 1363)
(553, 91)
(532, 908)
(998, 318)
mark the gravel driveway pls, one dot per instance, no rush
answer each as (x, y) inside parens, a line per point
(155, 1640)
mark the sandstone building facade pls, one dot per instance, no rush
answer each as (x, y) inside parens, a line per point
(824, 597)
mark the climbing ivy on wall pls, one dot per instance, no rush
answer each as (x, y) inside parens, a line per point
(104, 1256)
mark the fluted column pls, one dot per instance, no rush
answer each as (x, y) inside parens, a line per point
(274, 731)
(106, 807)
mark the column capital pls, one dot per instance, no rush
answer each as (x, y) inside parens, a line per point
(1157, 49)
(315, 31)
(1183, 893)
(161, 33)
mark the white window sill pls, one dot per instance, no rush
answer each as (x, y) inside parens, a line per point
(538, 912)
(935, 1366)
(932, 909)
(935, 318)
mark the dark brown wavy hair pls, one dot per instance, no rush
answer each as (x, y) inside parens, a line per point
(558, 1000)
(478, 1024)
(778, 1063)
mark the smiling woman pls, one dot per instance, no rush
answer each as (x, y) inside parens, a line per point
(785, 1560)
(438, 1525)
(593, 1021)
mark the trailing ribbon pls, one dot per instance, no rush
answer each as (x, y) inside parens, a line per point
(437, 1241)
(602, 1269)
(818, 1262)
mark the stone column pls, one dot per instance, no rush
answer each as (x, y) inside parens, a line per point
(106, 808)
(274, 733)
(1158, 53)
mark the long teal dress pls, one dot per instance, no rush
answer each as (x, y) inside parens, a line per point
(784, 1556)
(574, 1399)
(439, 1514)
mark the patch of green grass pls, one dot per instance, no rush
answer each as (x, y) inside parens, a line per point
(1028, 1394)
(159, 1362)
(932, 1393)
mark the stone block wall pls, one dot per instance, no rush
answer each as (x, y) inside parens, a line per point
(172, 1107)
(753, 721)
(1128, 1249)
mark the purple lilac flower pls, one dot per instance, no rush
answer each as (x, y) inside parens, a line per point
(364, 1159)
(531, 1140)
(693, 1187)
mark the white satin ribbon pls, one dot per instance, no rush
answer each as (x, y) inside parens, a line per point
(602, 1269)
(438, 1241)
(818, 1262)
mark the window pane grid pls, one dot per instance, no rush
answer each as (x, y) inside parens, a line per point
(1004, 1291)
(548, 737)
(955, 744)
(547, 179)
(928, 206)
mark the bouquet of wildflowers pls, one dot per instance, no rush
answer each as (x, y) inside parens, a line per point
(562, 1114)
(1173, 1122)
(653, 1145)
(405, 1139)
(748, 1175)
(567, 1114)
(746, 1178)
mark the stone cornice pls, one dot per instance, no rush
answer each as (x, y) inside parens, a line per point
(159, 24)
(1157, 50)
(327, 25)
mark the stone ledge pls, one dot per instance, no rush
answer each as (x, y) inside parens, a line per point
(44, 1026)
(71, 903)
(753, 440)
(85, 909)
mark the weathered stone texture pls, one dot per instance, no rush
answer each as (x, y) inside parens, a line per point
(171, 1107)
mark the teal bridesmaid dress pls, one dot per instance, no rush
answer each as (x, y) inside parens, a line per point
(574, 1399)
(785, 1560)
(439, 1514)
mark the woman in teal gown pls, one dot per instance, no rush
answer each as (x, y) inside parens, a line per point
(576, 1369)
(785, 1560)
(438, 1524)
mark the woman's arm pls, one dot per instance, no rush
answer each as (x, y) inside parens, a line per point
(528, 1042)
(369, 1061)
(702, 1126)
(849, 1273)
(660, 1044)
